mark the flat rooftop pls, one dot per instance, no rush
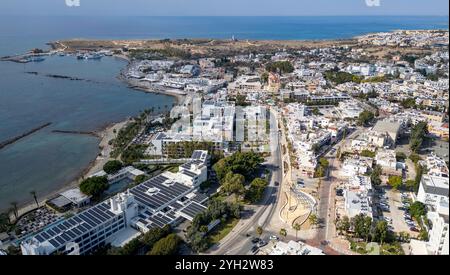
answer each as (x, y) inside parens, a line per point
(435, 185)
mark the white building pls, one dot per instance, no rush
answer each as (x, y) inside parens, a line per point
(355, 166)
(388, 161)
(357, 195)
(433, 190)
(165, 199)
(438, 236)
(294, 248)
(438, 243)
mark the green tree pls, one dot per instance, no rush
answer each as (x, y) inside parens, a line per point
(5, 222)
(341, 77)
(381, 231)
(112, 166)
(362, 225)
(365, 117)
(140, 179)
(418, 134)
(313, 219)
(256, 190)
(400, 156)
(368, 154)
(404, 237)
(13, 250)
(94, 186)
(233, 184)
(375, 176)
(280, 67)
(297, 228)
(418, 210)
(414, 157)
(410, 184)
(264, 78)
(166, 246)
(408, 103)
(343, 225)
(395, 181)
(245, 164)
(283, 232)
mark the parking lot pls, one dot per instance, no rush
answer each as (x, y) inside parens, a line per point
(393, 205)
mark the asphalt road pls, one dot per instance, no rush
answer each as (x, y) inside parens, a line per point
(237, 242)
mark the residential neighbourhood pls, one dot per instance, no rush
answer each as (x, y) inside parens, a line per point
(318, 150)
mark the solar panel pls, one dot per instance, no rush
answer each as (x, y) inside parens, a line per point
(77, 231)
(59, 239)
(56, 230)
(54, 243)
(39, 238)
(193, 209)
(70, 233)
(84, 227)
(90, 216)
(45, 235)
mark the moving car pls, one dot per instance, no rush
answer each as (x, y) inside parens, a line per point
(256, 240)
(254, 249)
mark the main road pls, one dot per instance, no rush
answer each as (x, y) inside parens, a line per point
(326, 205)
(237, 241)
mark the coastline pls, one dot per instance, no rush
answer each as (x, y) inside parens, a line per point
(94, 166)
(105, 135)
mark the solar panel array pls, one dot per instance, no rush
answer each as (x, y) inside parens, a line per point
(189, 173)
(164, 196)
(197, 154)
(60, 234)
(187, 165)
(200, 198)
(192, 209)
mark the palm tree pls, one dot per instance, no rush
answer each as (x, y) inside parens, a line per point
(33, 193)
(14, 209)
(296, 228)
(313, 219)
(259, 231)
(283, 233)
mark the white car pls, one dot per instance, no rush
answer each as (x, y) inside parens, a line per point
(273, 238)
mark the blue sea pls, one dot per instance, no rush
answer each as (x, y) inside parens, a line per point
(46, 161)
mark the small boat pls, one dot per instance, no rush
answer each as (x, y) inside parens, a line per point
(36, 59)
(93, 56)
(90, 56)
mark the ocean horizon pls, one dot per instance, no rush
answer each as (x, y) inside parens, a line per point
(46, 161)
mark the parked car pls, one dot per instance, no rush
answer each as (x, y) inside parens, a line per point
(414, 229)
(273, 238)
(262, 243)
(256, 240)
(254, 249)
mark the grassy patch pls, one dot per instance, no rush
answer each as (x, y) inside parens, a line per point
(222, 230)
(392, 249)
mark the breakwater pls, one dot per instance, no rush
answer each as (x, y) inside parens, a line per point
(76, 133)
(19, 137)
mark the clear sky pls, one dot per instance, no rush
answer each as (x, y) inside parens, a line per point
(224, 7)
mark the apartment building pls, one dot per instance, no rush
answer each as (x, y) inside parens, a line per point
(165, 199)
